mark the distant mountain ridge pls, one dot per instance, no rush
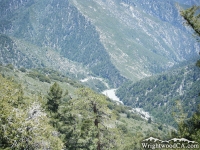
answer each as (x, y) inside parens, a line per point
(57, 26)
(114, 40)
(142, 37)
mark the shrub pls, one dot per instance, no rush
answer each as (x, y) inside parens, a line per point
(44, 79)
(10, 66)
(22, 69)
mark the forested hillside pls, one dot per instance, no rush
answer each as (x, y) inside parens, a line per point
(158, 95)
(55, 112)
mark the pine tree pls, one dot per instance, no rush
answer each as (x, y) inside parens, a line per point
(54, 97)
(24, 127)
(95, 113)
(192, 19)
(190, 128)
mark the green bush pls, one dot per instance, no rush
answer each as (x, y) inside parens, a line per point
(10, 66)
(136, 117)
(34, 74)
(123, 128)
(44, 79)
(22, 69)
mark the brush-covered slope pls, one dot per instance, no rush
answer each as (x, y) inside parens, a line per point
(55, 34)
(28, 122)
(142, 37)
(159, 94)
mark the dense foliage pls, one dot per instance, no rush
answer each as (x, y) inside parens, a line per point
(65, 116)
(22, 124)
(192, 18)
(190, 127)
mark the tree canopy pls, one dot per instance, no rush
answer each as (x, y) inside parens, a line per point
(190, 128)
(54, 97)
(192, 18)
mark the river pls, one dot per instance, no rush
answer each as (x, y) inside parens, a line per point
(111, 94)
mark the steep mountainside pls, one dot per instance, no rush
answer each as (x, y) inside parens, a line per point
(142, 37)
(159, 94)
(108, 40)
(54, 27)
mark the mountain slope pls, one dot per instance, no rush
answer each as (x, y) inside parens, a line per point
(58, 26)
(159, 94)
(108, 39)
(24, 96)
(142, 37)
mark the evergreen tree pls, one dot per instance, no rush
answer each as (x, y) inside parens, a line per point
(190, 128)
(149, 120)
(54, 97)
(93, 108)
(68, 126)
(24, 127)
(192, 19)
